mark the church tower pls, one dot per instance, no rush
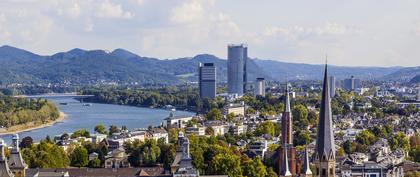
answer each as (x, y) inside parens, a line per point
(325, 146)
(4, 166)
(306, 170)
(16, 163)
(286, 148)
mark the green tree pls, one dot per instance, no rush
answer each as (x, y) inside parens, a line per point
(271, 173)
(79, 157)
(113, 129)
(80, 133)
(399, 140)
(94, 163)
(45, 155)
(349, 147)
(209, 131)
(254, 168)
(366, 137)
(302, 138)
(226, 164)
(214, 114)
(300, 116)
(266, 128)
(100, 128)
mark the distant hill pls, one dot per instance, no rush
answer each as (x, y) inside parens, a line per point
(279, 70)
(415, 79)
(403, 74)
(81, 67)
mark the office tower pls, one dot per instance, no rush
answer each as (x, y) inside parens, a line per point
(260, 87)
(357, 84)
(332, 86)
(287, 150)
(418, 94)
(207, 80)
(237, 77)
(325, 146)
(349, 84)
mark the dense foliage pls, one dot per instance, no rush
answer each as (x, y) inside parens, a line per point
(45, 155)
(17, 111)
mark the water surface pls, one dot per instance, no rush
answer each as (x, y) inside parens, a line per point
(79, 116)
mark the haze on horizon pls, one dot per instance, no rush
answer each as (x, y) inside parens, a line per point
(353, 33)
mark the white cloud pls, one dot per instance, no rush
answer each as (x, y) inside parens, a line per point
(109, 10)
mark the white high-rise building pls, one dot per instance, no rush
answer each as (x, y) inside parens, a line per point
(332, 86)
(260, 87)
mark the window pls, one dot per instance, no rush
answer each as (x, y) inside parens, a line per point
(324, 172)
(331, 171)
(317, 171)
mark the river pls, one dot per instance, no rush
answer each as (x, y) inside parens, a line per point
(79, 116)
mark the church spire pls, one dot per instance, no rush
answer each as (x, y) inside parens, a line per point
(286, 170)
(306, 168)
(325, 146)
(287, 101)
(325, 140)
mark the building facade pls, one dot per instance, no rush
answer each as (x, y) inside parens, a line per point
(260, 87)
(236, 65)
(207, 80)
(332, 86)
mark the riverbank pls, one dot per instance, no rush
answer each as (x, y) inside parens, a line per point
(31, 126)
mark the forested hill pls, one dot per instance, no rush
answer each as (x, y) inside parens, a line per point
(87, 67)
(22, 111)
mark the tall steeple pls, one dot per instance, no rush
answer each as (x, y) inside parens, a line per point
(306, 171)
(16, 163)
(286, 121)
(325, 147)
(286, 171)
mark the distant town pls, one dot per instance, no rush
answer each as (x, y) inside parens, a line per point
(246, 126)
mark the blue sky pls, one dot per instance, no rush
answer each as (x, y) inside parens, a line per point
(353, 33)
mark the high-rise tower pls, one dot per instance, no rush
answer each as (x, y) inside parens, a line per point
(236, 64)
(325, 146)
(207, 80)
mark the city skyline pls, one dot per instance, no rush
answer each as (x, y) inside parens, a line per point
(298, 32)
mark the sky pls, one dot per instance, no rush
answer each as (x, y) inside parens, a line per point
(351, 33)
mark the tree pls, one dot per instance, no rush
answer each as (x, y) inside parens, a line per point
(45, 155)
(399, 140)
(302, 138)
(266, 128)
(226, 164)
(113, 129)
(349, 147)
(100, 128)
(26, 142)
(300, 116)
(366, 137)
(167, 155)
(271, 173)
(214, 114)
(80, 133)
(415, 153)
(253, 168)
(230, 117)
(209, 131)
(79, 157)
(94, 163)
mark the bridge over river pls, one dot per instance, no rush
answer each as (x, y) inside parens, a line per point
(56, 95)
